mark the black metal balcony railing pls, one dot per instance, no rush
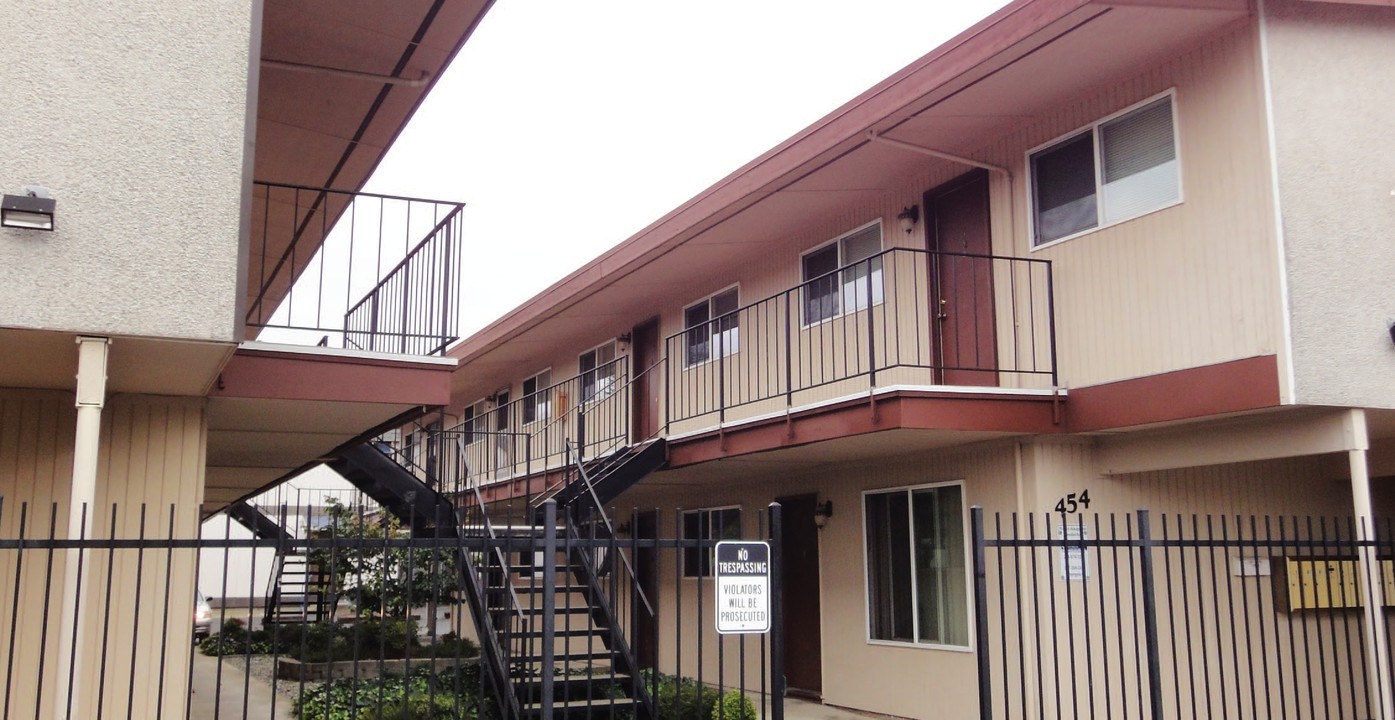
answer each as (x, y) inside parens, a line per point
(901, 317)
(590, 410)
(354, 270)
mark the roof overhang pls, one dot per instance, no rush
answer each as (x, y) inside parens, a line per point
(999, 75)
(336, 85)
(276, 410)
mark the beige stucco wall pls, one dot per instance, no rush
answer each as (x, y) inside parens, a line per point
(1329, 67)
(134, 115)
(151, 463)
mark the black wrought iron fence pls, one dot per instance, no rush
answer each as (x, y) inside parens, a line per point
(146, 616)
(354, 270)
(901, 317)
(1182, 616)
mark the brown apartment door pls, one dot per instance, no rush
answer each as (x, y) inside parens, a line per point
(646, 527)
(961, 281)
(803, 640)
(645, 398)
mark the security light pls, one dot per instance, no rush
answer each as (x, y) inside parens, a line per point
(909, 217)
(33, 210)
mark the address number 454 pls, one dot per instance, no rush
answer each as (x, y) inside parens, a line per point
(1074, 502)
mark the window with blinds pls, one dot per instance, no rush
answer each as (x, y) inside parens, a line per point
(1112, 171)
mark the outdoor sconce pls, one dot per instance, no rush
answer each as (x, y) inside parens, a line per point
(909, 217)
(1392, 332)
(822, 512)
(623, 529)
(32, 210)
(623, 339)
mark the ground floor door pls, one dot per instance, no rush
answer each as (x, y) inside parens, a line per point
(961, 281)
(800, 575)
(646, 527)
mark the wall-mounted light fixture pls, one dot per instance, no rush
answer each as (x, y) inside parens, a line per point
(822, 512)
(1392, 332)
(30, 210)
(909, 217)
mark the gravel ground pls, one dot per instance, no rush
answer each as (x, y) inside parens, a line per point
(263, 668)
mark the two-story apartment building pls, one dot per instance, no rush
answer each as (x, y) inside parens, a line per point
(189, 330)
(1089, 254)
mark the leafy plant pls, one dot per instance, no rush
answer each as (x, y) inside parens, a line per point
(375, 576)
(734, 705)
(234, 639)
(451, 694)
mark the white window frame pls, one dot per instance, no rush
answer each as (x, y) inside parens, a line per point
(542, 408)
(1094, 128)
(478, 410)
(682, 534)
(878, 287)
(968, 570)
(731, 339)
(599, 393)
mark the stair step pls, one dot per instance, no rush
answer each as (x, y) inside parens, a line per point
(560, 656)
(570, 679)
(588, 706)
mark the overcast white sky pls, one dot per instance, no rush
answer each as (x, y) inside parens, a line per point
(566, 126)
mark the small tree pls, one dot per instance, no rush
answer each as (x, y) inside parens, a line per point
(376, 577)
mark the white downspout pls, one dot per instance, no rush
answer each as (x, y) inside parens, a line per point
(91, 396)
(1378, 684)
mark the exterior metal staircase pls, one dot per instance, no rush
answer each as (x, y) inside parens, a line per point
(550, 632)
(550, 591)
(299, 591)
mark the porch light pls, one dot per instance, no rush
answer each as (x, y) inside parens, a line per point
(1392, 332)
(909, 217)
(31, 211)
(822, 512)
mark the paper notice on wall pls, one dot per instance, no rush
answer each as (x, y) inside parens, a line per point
(1075, 561)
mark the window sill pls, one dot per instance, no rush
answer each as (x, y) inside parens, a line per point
(1097, 228)
(921, 646)
(839, 316)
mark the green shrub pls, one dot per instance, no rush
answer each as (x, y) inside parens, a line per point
(233, 639)
(421, 695)
(422, 707)
(451, 645)
(734, 705)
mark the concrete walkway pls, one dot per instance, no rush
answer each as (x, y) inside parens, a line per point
(240, 697)
(797, 709)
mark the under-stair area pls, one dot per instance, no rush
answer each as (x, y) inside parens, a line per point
(540, 599)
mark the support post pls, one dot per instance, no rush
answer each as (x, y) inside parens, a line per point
(985, 690)
(549, 608)
(82, 498)
(1150, 615)
(1376, 645)
(777, 606)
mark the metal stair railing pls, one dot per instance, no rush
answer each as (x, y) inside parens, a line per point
(603, 598)
(607, 464)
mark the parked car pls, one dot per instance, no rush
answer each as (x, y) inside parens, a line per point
(203, 617)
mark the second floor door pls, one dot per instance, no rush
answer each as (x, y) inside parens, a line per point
(961, 282)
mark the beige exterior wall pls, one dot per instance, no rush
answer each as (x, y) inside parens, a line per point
(1190, 285)
(142, 145)
(1187, 286)
(1329, 71)
(922, 682)
(152, 454)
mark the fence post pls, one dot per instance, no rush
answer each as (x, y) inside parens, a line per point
(985, 690)
(777, 625)
(1150, 615)
(549, 608)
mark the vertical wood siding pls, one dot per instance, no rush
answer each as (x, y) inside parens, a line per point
(152, 453)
